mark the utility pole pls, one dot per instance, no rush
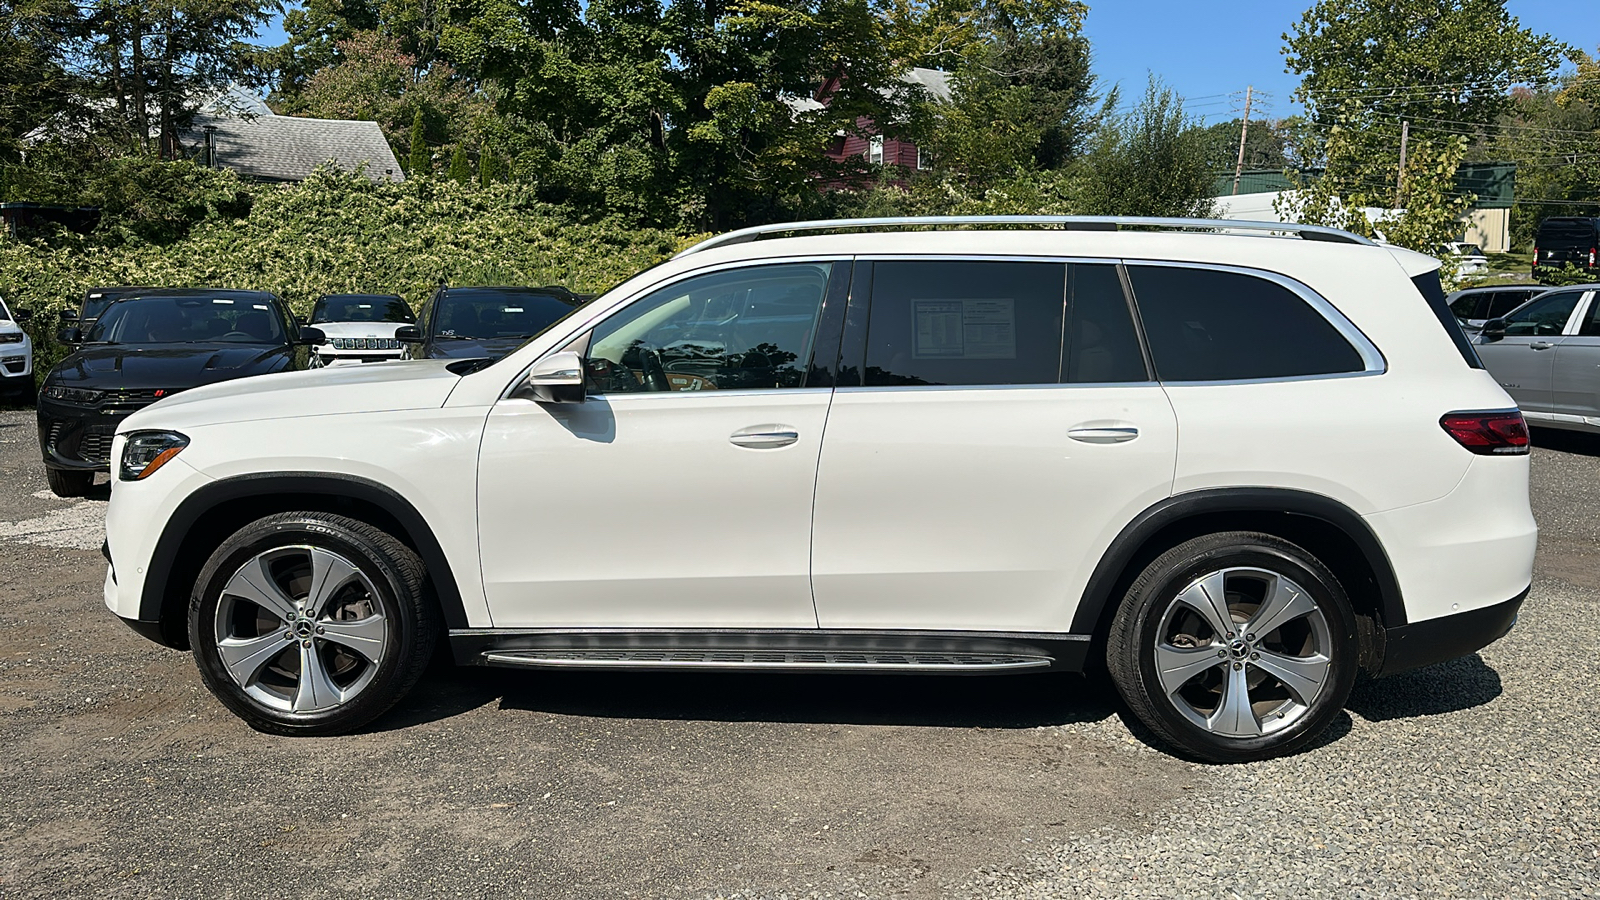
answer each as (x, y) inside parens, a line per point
(1400, 179)
(1238, 168)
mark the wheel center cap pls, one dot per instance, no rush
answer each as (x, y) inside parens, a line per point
(303, 628)
(1239, 648)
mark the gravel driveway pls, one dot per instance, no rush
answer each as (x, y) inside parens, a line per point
(120, 776)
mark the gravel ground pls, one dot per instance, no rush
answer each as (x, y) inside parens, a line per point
(120, 776)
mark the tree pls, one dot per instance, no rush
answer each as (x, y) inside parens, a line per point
(1152, 161)
(1266, 145)
(35, 84)
(460, 167)
(316, 29)
(420, 159)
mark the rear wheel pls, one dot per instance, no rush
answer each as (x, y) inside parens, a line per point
(309, 623)
(1235, 646)
(64, 483)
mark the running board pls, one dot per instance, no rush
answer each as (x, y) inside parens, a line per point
(776, 661)
(772, 650)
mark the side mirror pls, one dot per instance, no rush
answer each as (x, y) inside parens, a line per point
(1493, 330)
(408, 334)
(70, 335)
(311, 336)
(69, 315)
(301, 320)
(558, 378)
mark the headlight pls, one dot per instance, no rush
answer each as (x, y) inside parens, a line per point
(11, 337)
(72, 394)
(146, 451)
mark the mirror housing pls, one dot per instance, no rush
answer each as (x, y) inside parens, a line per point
(311, 336)
(408, 334)
(70, 334)
(558, 378)
(69, 315)
(1493, 330)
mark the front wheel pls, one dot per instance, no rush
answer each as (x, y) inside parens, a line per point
(1235, 646)
(311, 624)
(69, 484)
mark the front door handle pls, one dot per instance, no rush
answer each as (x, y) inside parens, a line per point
(1540, 345)
(765, 437)
(1104, 434)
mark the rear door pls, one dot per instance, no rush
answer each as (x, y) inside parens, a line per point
(995, 426)
(1524, 360)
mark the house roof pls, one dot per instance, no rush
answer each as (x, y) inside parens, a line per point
(289, 148)
(935, 81)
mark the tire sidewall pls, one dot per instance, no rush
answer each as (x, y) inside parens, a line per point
(1305, 571)
(260, 537)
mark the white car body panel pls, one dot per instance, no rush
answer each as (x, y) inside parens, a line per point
(16, 356)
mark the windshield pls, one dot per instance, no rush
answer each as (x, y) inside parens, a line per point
(474, 314)
(360, 308)
(5, 314)
(189, 320)
(96, 301)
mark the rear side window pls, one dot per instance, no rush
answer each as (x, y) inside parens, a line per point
(965, 323)
(1102, 345)
(1427, 284)
(1208, 325)
(1469, 306)
(1502, 302)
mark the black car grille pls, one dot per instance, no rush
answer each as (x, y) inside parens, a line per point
(14, 364)
(91, 446)
(128, 400)
(95, 448)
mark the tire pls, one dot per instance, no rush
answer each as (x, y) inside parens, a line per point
(1183, 679)
(66, 483)
(254, 627)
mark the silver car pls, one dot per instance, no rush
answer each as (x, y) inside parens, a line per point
(1474, 306)
(1546, 354)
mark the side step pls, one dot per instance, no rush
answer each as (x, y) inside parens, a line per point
(769, 660)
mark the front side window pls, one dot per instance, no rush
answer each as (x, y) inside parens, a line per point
(1545, 316)
(1212, 325)
(743, 329)
(1502, 302)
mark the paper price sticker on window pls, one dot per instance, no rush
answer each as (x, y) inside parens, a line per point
(964, 329)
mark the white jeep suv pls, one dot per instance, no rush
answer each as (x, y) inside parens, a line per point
(1238, 463)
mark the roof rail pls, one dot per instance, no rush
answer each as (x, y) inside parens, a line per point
(1068, 223)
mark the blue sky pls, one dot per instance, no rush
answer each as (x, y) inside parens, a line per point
(1208, 51)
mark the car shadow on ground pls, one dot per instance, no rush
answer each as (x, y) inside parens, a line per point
(1446, 687)
(1020, 701)
(1566, 441)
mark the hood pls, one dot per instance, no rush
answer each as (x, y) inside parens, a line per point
(359, 329)
(341, 390)
(473, 348)
(166, 365)
(9, 327)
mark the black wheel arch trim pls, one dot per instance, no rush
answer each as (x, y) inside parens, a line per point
(1097, 596)
(152, 601)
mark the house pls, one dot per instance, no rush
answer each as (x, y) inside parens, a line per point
(238, 131)
(871, 144)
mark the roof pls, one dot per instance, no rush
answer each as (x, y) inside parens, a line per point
(1494, 184)
(935, 81)
(290, 148)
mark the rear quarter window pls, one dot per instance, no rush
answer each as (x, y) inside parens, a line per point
(1214, 325)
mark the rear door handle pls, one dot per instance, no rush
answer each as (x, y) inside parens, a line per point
(1539, 345)
(765, 437)
(1104, 434)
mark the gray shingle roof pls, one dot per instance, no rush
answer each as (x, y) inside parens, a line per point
(288, 148)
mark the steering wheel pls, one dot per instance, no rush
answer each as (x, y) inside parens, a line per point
(239, 334)
(655, 374)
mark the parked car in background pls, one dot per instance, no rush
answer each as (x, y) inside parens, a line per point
(1466, 260)
(143, 348)
(1567, 240)
(96, 299)
(1000, 486)
(1474, 306)
(485, 322)
(16, 355)
(1546, 354)
(359, 328)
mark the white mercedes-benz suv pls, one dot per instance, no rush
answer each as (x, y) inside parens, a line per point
(1236, 464)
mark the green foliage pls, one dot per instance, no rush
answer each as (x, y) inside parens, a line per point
(1567, 274)
(142, 200)
(340, 232)
(420, 158)
(489, 167)
(460, 166)
(1153, 161)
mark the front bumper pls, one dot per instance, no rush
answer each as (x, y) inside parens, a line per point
(1447, 637)
(76, 438)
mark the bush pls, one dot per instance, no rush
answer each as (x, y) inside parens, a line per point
(340, 232)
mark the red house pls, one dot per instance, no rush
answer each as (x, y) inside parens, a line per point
(871, 145)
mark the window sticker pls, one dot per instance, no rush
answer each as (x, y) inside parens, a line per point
(965, 329)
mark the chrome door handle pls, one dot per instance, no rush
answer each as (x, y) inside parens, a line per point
(1104, 435)
(765, 437)
(1539, 345)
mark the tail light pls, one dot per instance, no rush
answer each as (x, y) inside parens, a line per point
(1592, 254)
(1536, 256)
(1498, 433)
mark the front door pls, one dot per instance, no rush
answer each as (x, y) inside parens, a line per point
(1575, 382)
(981, 460)
(679, 493)
(1524, 360)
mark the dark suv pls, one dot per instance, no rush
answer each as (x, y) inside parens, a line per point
(485, 322)
(1564, 240)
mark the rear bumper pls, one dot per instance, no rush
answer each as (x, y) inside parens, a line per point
(1447, 637)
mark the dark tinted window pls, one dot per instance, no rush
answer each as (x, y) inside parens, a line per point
(480, 313)
(1102, 345)
(240, 319)
(97, 299)
(1206, 325)
(1545, 316)
(1468, 306)
(1502, 302)
(744, 329)
(360, 308)
(942, 322)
